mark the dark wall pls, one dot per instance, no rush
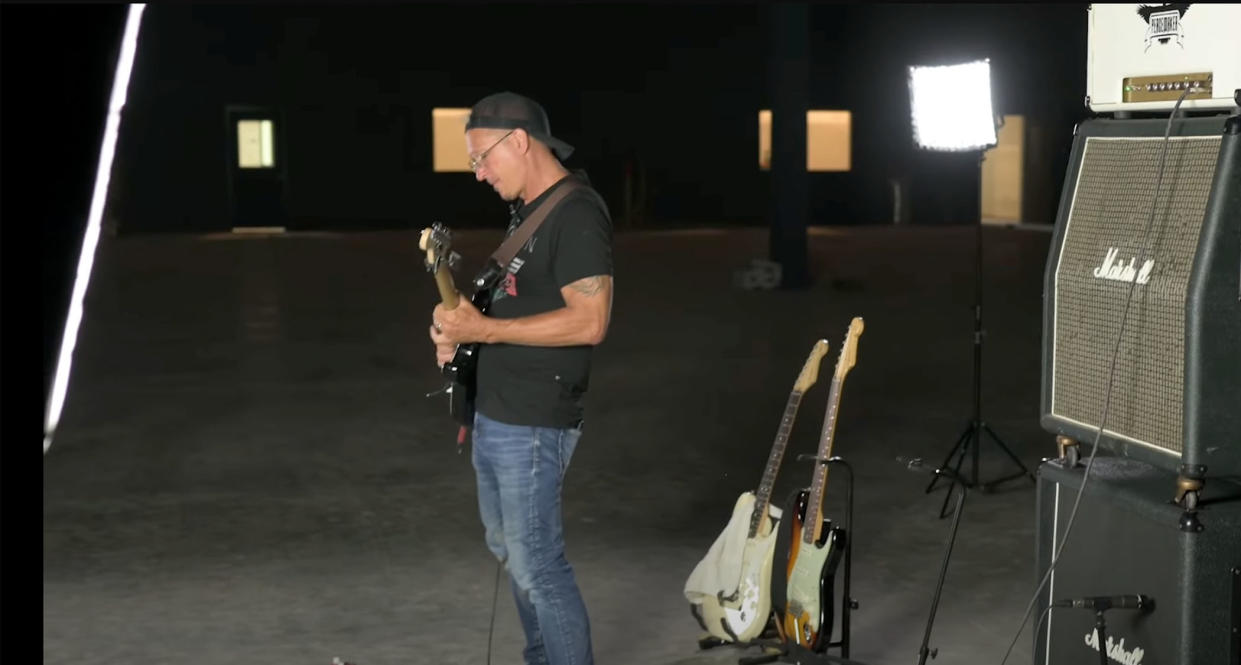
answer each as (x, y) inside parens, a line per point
(56, 65)
(356, 88)
(672, 91)
(667, 92)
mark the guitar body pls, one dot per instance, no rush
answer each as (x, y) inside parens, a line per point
(807, 617)
(744, 615)
(462, 370)
(462, 383)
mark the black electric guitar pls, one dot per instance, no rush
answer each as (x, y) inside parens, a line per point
(460, 372)
(437, 243)
(815, 546)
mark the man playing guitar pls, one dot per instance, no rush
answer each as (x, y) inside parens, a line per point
(533, 364)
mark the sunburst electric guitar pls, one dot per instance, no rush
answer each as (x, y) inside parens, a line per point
(815, 546)
(742, 616)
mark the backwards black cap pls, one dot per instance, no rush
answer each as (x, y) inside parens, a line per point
(509, 110)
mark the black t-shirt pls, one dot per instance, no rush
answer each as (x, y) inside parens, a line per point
(537, 385)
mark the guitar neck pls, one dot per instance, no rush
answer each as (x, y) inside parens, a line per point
(767, 485)
(448, 291)
(819, 481)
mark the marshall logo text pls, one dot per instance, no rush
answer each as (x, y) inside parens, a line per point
(1118, 271)
(1116, 650)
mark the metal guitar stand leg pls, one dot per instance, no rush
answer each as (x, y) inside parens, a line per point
(847, 602)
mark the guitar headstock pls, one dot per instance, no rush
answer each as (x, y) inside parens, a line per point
(810, 371)
(848, 351)
(437, 243)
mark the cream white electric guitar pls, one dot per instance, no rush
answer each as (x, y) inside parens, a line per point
(742, 615)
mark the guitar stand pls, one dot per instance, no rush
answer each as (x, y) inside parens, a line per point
(800, 655)
(790, 653)
(770, 640)
(796, 653)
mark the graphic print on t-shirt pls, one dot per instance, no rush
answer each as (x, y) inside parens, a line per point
(509, 286)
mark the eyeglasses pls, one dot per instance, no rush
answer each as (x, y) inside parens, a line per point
(476, 162)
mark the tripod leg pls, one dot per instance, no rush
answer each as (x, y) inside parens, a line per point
(974, 434)
(969, 428)
(1025, 471)
(943, 507)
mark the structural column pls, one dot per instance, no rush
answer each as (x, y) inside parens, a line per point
(789, 92)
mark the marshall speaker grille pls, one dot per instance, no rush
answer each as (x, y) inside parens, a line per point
(1111, 210)
(1177, 367)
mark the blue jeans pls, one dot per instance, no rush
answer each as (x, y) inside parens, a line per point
(520, 472)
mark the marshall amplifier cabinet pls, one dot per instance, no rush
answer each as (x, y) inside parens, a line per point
(1176, 395)
(1130, 539)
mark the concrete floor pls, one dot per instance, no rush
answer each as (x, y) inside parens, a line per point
(247, 470)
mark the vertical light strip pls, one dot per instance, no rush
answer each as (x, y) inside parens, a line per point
(120, 84)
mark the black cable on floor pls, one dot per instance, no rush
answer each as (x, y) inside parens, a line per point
(494, 596)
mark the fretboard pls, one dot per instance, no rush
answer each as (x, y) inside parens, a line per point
(819, 482)
(768, 483)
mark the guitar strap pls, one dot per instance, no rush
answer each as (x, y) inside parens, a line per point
(508, 249)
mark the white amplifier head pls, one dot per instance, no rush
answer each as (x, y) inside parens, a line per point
(1141, 57)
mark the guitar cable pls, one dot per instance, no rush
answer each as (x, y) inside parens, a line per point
(1107, 400)
(494, 597)
(1041, 617)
